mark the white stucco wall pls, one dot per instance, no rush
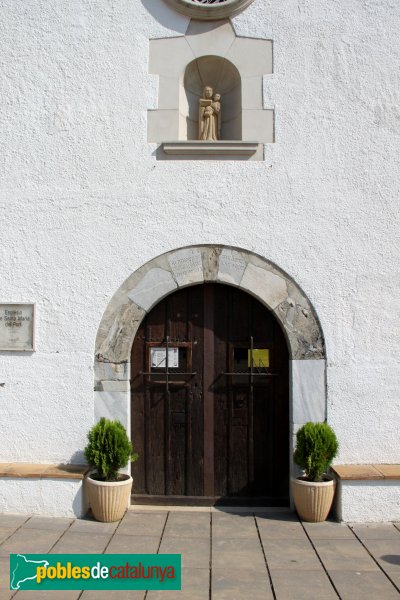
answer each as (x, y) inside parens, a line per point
(84, 202)
(368, 501)
(48, 497)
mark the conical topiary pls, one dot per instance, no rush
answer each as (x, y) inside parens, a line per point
(316, 448)
(109, 449)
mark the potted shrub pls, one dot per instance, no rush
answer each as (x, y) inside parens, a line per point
(108, 450)
(313, 493)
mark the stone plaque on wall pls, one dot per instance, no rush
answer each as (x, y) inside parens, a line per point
(17, 327)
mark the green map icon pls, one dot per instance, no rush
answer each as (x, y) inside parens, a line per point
(24, 570)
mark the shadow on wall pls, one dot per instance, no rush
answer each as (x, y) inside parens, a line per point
(80, 503)
(166, 16)
(78, 458)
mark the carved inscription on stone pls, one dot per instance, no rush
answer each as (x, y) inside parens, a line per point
(187, 266)
(231, 266)
(17, 327)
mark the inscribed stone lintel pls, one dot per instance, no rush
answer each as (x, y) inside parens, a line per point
(17, 327)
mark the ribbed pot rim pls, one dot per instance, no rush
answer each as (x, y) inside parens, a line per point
(126, 481)
(329, 481)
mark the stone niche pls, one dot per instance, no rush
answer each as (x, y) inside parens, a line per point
(210, 54)
(224, 78)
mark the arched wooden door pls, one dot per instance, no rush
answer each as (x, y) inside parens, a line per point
(210, 416)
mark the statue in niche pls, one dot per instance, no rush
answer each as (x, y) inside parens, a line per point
(210, 115)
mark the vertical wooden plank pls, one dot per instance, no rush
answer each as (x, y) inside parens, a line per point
(221, 365)
(188, 441)
(251, 402)
(262, 325)
(240, 319)
(156, 473)
(281, 384)
(230, 484)
(167, 410)
(264, 453)
(138, 421)
(155, 323)
(196, 418)
(239, 333)
(155, 409)
(176, 398)
(177, 314)
(208, 378)
(177, 437)
(188, 406)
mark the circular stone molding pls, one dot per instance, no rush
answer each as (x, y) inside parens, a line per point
(209, 9)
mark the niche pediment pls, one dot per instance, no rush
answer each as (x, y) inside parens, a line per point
(210, 55)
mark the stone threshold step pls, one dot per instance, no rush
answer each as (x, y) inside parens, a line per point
(210, 509)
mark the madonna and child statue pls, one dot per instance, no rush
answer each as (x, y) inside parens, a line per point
(210, 116)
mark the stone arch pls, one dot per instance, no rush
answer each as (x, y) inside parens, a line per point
(211, 263)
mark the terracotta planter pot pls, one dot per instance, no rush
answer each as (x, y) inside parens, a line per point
(109, 499)
(313, 500)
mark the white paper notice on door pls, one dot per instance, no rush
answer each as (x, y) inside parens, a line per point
(158, 358)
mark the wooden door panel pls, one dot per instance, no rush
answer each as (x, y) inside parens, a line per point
(155, 324)
(176, 432)
(195, 403)
(221, 441)
(156, 444)
(241, 433)
(167, 427)
(263, 324)
(177, 316)
(221, 409)
(240, 314)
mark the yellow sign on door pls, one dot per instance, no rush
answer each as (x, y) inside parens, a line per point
(260, 358)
